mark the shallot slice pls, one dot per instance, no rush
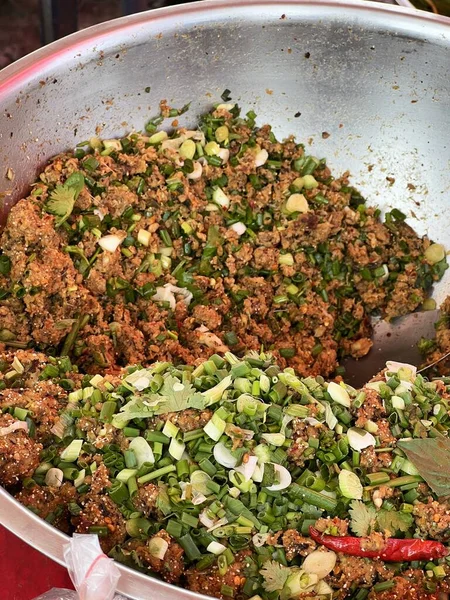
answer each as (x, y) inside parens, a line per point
(17, 425)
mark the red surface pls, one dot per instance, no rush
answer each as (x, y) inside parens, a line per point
(26, 573)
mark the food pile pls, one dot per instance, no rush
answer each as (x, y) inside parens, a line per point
(437, 350)
(158, 247)
(169, 308)
(236, 478)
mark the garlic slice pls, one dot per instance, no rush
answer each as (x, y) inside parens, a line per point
(110, 242)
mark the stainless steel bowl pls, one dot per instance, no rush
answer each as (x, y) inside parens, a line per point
(374, 77)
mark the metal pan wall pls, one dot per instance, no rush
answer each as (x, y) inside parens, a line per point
(373, 77)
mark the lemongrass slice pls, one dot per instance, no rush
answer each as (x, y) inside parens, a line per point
(158, 547)
(216, 548)
(276, 439)
(199, 479)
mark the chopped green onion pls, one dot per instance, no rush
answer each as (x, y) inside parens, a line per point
(137, 527)
(314, 498)
(157, 474)
(130, 432)
(215, 427)
(287, 352)
(170, 430)
(142, 451)
(99, 530)
(125, 474)
(377, 478)
(176, 449)
(72, 452)
(383, 586)
(118, 492)
(174, 528)
(189, 546)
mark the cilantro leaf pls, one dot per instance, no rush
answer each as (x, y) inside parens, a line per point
(83, 263)
(198, 401)
(62, 199)
(394, 521)
(275, 575)
(363, 518)
(173, 396)
(76, 182)
(137, 408)
(61, 203)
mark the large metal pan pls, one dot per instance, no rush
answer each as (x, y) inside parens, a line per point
(375, 78)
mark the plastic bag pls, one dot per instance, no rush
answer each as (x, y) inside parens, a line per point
(60, 594)
(93, 574)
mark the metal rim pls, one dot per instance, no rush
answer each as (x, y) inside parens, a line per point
(15, 516)
(17, 73)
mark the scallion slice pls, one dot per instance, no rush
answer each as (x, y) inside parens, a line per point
(142, 451)
(72, 452)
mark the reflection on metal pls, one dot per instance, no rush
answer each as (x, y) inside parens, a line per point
(396, 340)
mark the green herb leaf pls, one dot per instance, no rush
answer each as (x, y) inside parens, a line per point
(78, 252)
(173, 396)
(62, 199)
(394, 521)
(76, 182)
(431, 457)
(275, 576)
(363, 518)
(135, 409)
(198, 401)
(61, 203)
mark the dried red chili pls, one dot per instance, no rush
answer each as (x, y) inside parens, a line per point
(394, 550)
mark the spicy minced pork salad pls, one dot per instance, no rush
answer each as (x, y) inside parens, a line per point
(158, 247)
(232, 271)
(237, 478)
